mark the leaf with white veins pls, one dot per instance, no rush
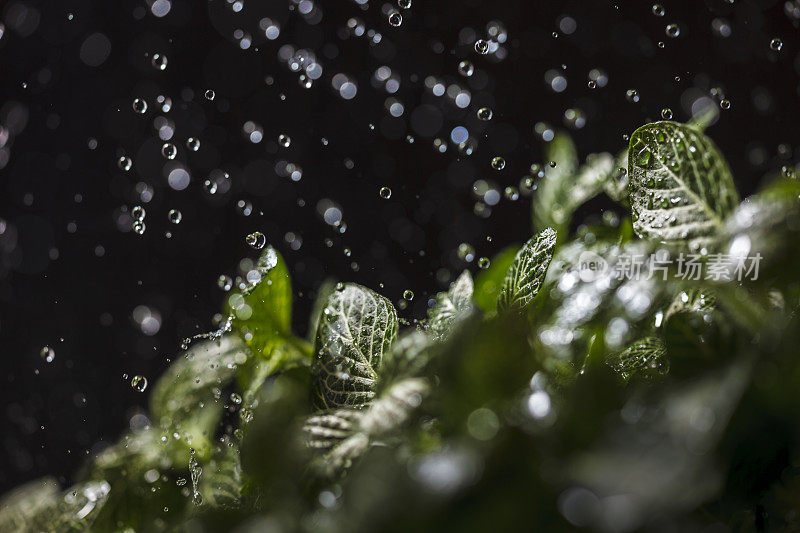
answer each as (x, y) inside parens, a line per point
(450, 305)
(355, 329)
(680, 185)
(527, 272)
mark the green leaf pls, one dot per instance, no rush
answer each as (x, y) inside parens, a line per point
(356, 328)
(251, 379)
(262, 313)
(766, 224)
(22, 504)
(691, 300)
(345, 434)
(323, 293)
(565, 187)
(616, 184)
(187, 401)
(40, 506)
(141, 464)
(221, 481)
(527, 272)
(409, 357)
(489, 282)
(680, 185)
(450, 305)
(656, 454)
(646, 356)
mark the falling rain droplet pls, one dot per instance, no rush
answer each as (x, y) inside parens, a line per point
(658, 10)
(408, 295)
(169, 150)
(174, 216)
(725, 104)
(139, 383)
(385, 193)
(776, 44)
(193, 144)
(672, 31)
(159, 61)
(404, 4)
(256, 240)
(466, 252)
(482, 46)
(484, 263)
(139, 106)
(632, 95)
(395, 18)
(125, 163)
(284, 140)
(465, 68)
(498, 163)
(224, 282)
(47, 354)
(210, 94)
(666, 113)
(485, 114)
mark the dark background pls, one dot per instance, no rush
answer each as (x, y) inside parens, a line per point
(72, 272)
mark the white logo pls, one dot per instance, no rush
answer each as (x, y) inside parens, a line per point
(591, 266)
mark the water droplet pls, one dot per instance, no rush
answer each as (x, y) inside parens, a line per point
(725, 104)
(224, 282)
(195, 471)
(465, 68)
(48, 354)
(385, 193)
(256, 240)
(125, 163)
(591, 84)
(482, 46)
(138, 212)
(174, 216)
(632, 95)
(466, 252)
(235, 398)
(159, 61)
(672, 30)
(658, 10)
(408, 295)
(484, 263)
(776, 44)
(485, 114)
(244, 207)
(395, 18)
(210, 94)
(404, 4)
(193, 144)
(210, 186)
(139, 383)
(139, 227)
(284, 140)
(498, 163)
(666, 113)
(169, 150)
(511, 193)
(139, 106)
